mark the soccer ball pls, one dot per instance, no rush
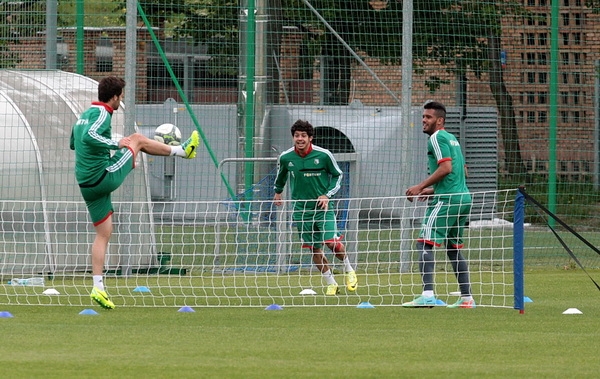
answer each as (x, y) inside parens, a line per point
(168, 134)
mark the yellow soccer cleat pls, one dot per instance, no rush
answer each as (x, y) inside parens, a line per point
(351, 281)
(101, 297)
(190, 146)
(332, 290)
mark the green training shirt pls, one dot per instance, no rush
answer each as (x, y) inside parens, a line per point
(91, 138)
(443, 146)
(315, 174)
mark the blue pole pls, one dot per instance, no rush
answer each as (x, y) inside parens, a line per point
(518, 246)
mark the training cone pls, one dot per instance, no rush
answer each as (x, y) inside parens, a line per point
(88, 312)
(572, 311)
(5, 314)
(141, 289)
(51, 291)
(274, 307)
(527, 300)
(186, 310)
(307, 291)
(365, 305)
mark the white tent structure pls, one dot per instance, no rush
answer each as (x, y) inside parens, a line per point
(44, 224)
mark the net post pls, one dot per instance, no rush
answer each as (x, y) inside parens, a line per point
(518, 255)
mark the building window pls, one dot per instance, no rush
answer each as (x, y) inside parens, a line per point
(530, 98)
(531, 77)
(576, 118)
(564, 98)
(529, 21)
(543, 3)
(542, 59)
(565, 58)
(542, 117)
(104, 55)
(542, 19)
(531, 39)
(565, 38)
(530, 117)
(578, 19)
(564, 115)
(577, 59)
(542, 39)
(530, 58)
(565, 19)
(575, 97)
(542, 97)
(577, 38)
(577, 77)
(565, 78)
(543, 77)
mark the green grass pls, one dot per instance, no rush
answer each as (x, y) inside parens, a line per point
(385, 342)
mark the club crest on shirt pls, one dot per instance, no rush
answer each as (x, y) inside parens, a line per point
(290, 164)
(316, 161)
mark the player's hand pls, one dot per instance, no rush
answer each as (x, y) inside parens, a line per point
(425, 194)
(422, 194)
(323, 202)
(124, 142)
(277, 199)
(413, 192)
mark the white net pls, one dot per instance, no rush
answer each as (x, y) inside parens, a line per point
(216, 254)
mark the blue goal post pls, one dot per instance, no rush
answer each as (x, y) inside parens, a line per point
(518, 247)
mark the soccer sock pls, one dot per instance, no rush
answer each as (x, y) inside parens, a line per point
(426, 265)
(328, 275)
(347, 266)
(177, 151)
(98, 283)
(461, 270)
(428, 293)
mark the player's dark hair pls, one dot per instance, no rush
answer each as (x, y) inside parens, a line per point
(303, 126)
(439, 108)
(109, 87)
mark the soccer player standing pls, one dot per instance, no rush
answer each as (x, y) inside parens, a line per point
(448, 210)
(314, 178)
(99, 172)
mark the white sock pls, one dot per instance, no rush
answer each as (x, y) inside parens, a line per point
(328, 275)
(428, 294)
(347, 266)
(177, 151)
(467, 298)
(98, 283)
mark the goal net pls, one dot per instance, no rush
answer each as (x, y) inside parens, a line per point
(205, 254)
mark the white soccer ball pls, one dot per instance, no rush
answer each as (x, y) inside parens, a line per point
(168, 134)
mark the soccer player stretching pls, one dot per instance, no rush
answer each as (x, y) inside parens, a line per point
(314, 178)
(99, 172)
(448, 210)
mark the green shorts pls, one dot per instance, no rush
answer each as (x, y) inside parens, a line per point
(316, 227)
(97, 195)
(444, 222)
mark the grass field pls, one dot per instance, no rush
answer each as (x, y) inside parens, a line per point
(384, 342)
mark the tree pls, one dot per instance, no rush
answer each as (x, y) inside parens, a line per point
(460, 35)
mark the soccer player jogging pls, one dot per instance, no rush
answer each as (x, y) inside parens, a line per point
(448, 210)
(314, 178)
(99, 172)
